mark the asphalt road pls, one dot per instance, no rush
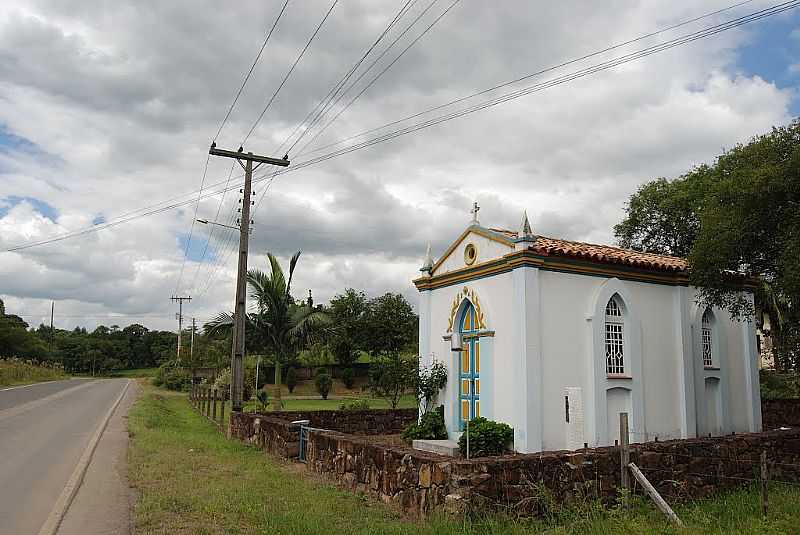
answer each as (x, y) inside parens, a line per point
(44, 430)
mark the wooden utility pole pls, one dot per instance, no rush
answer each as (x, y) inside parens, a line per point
(191, 344)
(52, 332)
(180, 301)
(240, 308)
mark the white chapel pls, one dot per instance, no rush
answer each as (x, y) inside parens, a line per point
(559, 337)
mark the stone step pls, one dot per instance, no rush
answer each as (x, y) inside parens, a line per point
(448, 448)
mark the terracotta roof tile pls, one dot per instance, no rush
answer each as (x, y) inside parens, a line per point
(604, 254)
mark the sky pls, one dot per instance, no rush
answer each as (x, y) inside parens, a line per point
(109, 107)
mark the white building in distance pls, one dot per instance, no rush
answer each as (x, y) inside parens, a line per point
(559, 337)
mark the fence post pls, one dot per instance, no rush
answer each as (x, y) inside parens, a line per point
(764, 484)
(624, 453)
(222, 410)
(214, 409)
(204, 410)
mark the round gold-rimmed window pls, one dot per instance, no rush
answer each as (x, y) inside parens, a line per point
(470, 254)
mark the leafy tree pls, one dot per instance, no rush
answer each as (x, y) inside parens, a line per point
(391, 376)
(283, 325)
(347, 312)
(392, 325)
(739, 215)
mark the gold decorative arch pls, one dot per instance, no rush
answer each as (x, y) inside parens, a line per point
(466, 293)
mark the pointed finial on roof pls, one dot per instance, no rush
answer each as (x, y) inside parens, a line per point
(525, 236)
(525, 229)
(474, 211)
(427, 264)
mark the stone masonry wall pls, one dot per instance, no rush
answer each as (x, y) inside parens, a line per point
(420, 482)
(777, 413)
(362, 422)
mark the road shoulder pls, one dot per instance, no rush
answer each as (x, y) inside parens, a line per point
(104, 501)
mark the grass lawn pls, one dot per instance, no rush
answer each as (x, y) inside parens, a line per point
(135, 373)
(192, 480)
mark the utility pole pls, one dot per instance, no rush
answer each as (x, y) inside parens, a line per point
(179, 317)
(240, 307)
(191, 344)
(52, 333)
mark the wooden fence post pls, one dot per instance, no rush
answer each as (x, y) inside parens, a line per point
(214, 409)
(764, 484)
(624, 452)
(222, 411)
(204, 409)
(654, 495)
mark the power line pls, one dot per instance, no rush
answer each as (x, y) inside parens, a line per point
(525, 77)
(375, 78)
(250, 72)
(707, 32)
(322, 105)
(289, 73)
(191, 227)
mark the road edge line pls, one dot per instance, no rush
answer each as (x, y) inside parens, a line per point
(53, 522)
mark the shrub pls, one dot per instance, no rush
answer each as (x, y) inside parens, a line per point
(324, 382)
(486, 437)
(430, 427)
(390, 376)
(223, 383)
(263, 400)
(355, 405)
(291, 379)
(172, 378)
(430, 381)
(348, 377)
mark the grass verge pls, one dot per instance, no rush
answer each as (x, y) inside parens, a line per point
(192, 480)
(14, 372)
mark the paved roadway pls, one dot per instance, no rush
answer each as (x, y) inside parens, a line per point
(44, 430)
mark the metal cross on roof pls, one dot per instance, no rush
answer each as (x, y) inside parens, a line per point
(474, 212)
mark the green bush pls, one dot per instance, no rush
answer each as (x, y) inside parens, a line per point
(291, 379)
(348, 378)
(355, 405)
(324, 383)
(263, 400)
(775, 385)
(486, 437)
(430, 427)
(173, 378)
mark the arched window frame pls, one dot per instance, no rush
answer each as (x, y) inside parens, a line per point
(615, 337)
(599, 381)
(708, 347)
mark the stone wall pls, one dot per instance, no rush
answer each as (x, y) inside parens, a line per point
(420, 482)
(275, 436)
(776, 413)
(366, 422)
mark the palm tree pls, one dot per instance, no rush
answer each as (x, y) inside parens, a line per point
(284, 325)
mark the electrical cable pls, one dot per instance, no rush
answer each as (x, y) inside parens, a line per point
(707, 32)
(289, 73)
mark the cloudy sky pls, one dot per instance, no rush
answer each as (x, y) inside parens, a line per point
(108, 107)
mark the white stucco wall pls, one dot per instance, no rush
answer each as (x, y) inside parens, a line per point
(487, 250)
(553, 344)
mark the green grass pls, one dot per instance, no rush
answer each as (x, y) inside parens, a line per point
(192, 480)
(135, 373)
(16, 372)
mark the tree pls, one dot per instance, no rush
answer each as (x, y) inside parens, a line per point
(348, 312)
(391, 324)
(391, 376)
(283, 325)
(740, 215)
(663, 215)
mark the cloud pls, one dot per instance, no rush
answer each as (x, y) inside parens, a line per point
(117, 105)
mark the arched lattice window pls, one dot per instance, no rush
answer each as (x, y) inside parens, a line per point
(615, 338)
(707, 334)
